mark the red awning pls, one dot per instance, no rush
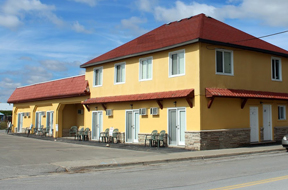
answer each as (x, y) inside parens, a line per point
(142, 97)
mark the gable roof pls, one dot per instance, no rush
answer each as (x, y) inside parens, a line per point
(63, 88)
(199, 28)
(142, 97)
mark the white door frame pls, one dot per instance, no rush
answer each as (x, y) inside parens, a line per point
(51, 115)
(39, 120)
(267, 126)
(20, 122)
(99, 115)
(135, 126)
(178, 120)
(254, 130)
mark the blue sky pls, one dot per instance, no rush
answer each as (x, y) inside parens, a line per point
(43, 40)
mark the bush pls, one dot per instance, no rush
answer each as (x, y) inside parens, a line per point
(3, 125)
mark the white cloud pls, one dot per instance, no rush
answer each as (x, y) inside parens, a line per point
(133, 25)
(92, 3)
(146, 5)
(269, 12)
(36, 74)
(13, 12)
(181, 10)
(79, 28)
(8, 83)
(54, 65)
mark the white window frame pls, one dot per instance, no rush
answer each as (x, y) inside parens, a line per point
(170, 63)
(140, 68)
(280, 69)
(232, 62)
(115, 73)
(284, 114)
(94, 76)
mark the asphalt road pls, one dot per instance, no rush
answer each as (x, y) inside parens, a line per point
(259, 171)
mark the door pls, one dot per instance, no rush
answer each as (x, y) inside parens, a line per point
(267, 122)
(176, 126)
(97, 119)
(49, 119)
(38, 120)
(20, 122)
(132, 126)
(254, 124)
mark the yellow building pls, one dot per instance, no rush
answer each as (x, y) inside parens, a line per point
(54, 105)
(207, 84)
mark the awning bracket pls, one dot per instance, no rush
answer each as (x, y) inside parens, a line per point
(104, 107)
(243, 103)
(159, 104)
(210, 102)
(87, 107)
(189, 102)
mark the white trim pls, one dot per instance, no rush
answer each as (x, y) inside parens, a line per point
(52, 124)
(134, 140)
(170, 63)
(232, 62)
(280, 69)
(115, 73)
(100, 127)
(140, 68)
(101, 69)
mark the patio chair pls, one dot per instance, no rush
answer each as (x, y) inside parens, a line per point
(29, 129)
(151, 137)
(115, 135)
(73, 130)
(104, 135)
(85, 134)
(80, 133)
(161, 137)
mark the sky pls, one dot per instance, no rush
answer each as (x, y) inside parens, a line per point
(43, 40)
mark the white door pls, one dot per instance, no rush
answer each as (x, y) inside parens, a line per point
(38, 120)
(132, 126)
(254, 124)
(176, 126)
(20, 122)
(49, 119)
(267, 122)
(97, 125)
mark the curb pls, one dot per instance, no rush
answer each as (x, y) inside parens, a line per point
(93, 167)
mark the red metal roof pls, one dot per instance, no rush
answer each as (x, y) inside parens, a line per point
(63, 88)
(232, 93)
(141, 97)
(199, 27)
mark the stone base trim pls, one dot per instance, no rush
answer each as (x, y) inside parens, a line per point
(279, 133)
(216, 139)
(142, 136)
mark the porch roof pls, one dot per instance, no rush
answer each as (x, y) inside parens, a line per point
(234, 93)
(141, 97)
(63, 88)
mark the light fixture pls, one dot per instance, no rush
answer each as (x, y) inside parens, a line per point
(261, 102)
(131, 105)
(175, 102)
(96, 108)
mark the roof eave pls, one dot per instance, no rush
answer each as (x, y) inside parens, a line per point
(140, 53)
(242, 47)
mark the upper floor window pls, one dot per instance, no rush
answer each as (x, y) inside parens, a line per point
(276, 69)
(119, 73)
(176, 63)
(145, 72)
(98, 76)
(224, 62)
(281, 112)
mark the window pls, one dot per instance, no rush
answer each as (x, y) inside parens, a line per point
(276, 69)
(145, 69)
(224, 62)
(98, 76)
(176, 63)
(281, 112)
(119, 73)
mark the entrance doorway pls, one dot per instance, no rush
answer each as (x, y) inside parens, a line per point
(254, 124)
(97, 118)
(49, 123)
(176, 126)
(267, 122)
(20, 122)
(132, 126)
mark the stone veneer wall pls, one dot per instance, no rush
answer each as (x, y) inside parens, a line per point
(279, 132)
(216, 139)
(142, 136)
